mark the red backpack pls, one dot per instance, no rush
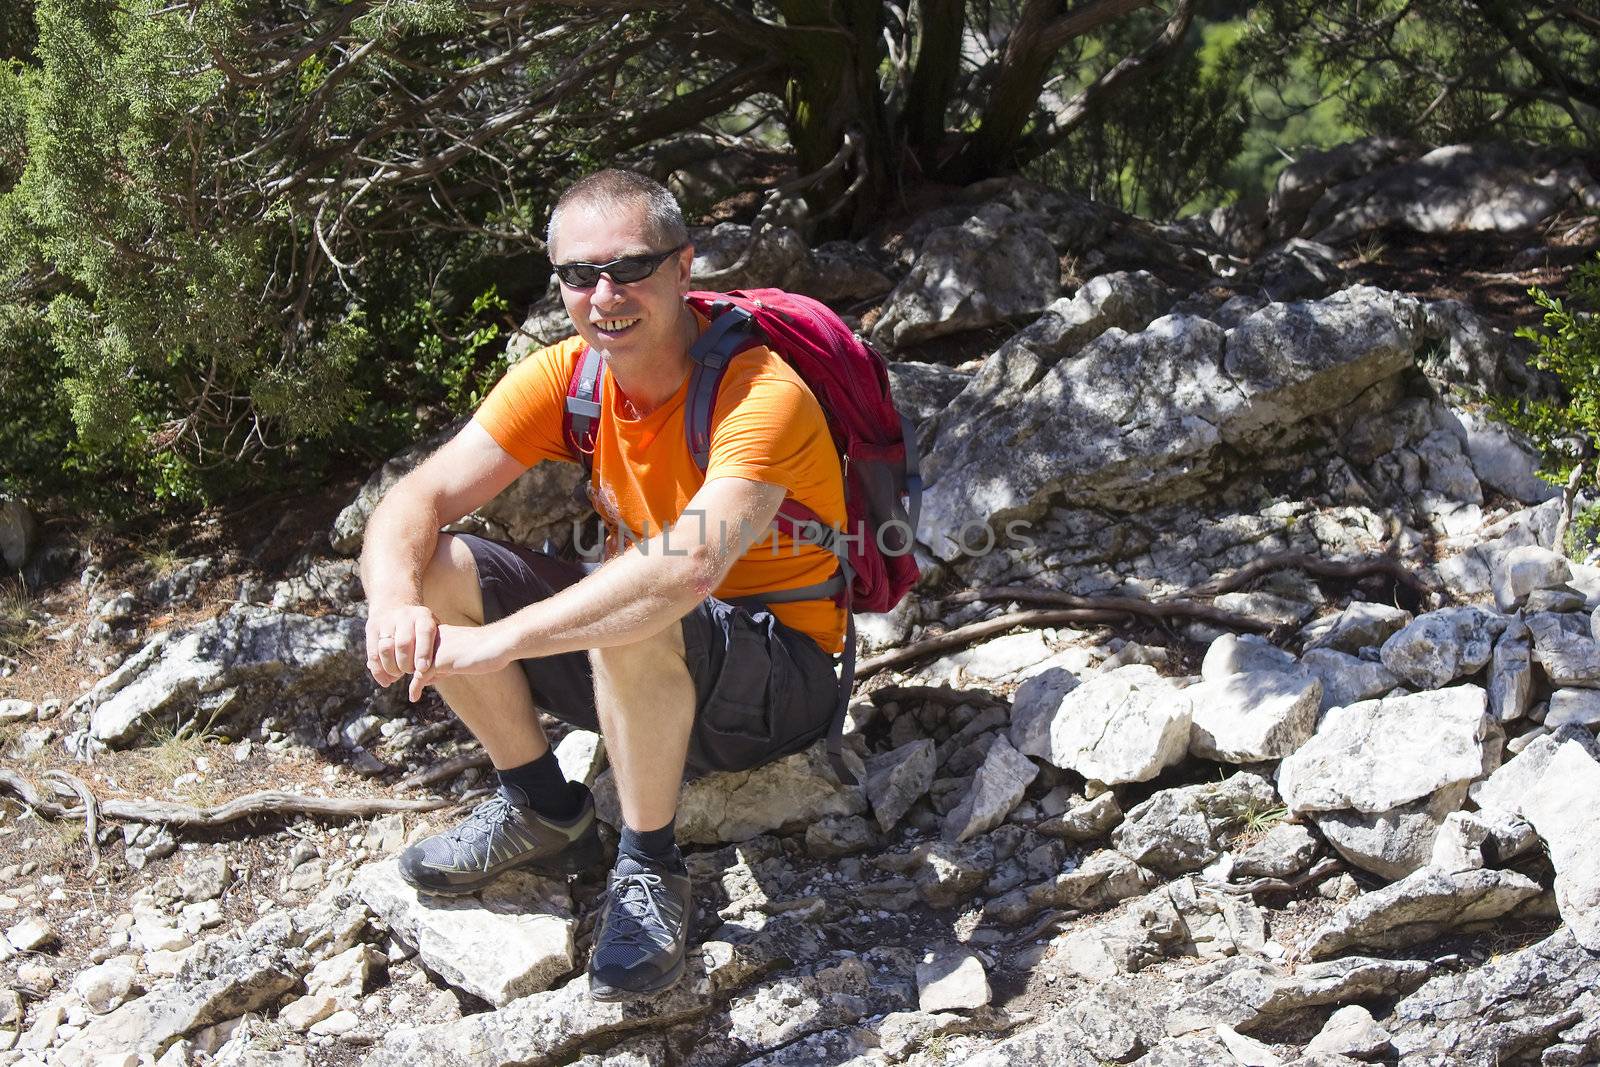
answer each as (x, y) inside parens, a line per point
(877, 447)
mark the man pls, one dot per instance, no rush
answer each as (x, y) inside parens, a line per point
(651, 648)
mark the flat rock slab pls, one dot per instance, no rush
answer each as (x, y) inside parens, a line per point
(246, 646)
(1419, 908)
(513, 939)
(1247, 993)
(1500, 1012)
(249, 981)
(1379, 754)
(540, 1029)
(1562, 807)
(1391, 844)
(1126, 725)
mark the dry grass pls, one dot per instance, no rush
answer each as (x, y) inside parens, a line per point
(19, 631)
(152, 769)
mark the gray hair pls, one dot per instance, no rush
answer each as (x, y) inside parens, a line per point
(616, 188)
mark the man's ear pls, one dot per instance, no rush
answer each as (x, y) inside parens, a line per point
(685, 267)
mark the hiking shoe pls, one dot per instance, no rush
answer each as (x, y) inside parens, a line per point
(644, 929)
(499, 836)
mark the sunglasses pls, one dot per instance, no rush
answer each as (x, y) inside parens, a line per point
(623, 271)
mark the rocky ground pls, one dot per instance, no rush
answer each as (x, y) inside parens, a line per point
(1326, 816)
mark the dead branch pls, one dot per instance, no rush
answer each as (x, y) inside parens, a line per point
(962, 636)
(268, 802)
(1285, 885)
(91, 817)
(1140, 64)
(1154, 609)
(1080, 609)
(443, 772)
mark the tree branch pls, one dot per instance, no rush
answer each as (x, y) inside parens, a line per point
(1128, 69)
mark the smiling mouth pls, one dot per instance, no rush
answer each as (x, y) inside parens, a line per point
(613, 327)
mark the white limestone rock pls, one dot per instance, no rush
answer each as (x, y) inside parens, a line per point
(513, 939)
(1562, 806)
(1126, 725)
(1524, 569)
(1346, 679)
(1379, 754)
(1252, 717)
(898, 779)
(582, 755)
(1506, 788)
(1573, 707)
(1034, 707)
(1361, 625)
(996, 788)
(1569, 656)
(950, 981)
(1511, 673)
(1231, 654)
(1435, 649)
(1351, 1031)
(1420, 907)
(1391, 844)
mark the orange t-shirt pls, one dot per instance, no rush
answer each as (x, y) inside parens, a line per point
(766, 426)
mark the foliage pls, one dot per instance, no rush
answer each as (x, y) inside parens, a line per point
(167, 339)
(243, 242)
(1168, 143)
(1566, 428)
(1433, 71)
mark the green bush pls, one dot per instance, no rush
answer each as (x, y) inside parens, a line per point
(1565, 428)
(172, 331)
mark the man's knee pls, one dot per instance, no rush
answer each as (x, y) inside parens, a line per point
(450, 582)
(647, 657)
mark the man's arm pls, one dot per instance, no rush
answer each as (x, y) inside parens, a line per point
(649, 587)
(402, 534)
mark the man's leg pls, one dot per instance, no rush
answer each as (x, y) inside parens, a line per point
(645, 698)
(537, 819)
(498, 708)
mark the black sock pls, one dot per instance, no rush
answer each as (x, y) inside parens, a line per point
(543, 787)
(655, 848)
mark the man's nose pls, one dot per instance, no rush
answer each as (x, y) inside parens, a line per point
(606, 290)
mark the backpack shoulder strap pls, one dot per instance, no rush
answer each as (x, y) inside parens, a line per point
(730, 332)
(582, 413)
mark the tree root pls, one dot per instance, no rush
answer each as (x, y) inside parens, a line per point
(1364, 567)
(1106, 609)
(251, 805)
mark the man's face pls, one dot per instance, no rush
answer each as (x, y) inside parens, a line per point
(616, 319)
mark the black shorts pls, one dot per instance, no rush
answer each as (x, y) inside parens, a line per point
(762, 690)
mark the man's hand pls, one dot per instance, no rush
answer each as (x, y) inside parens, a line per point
(463, 650)
(400, 641)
